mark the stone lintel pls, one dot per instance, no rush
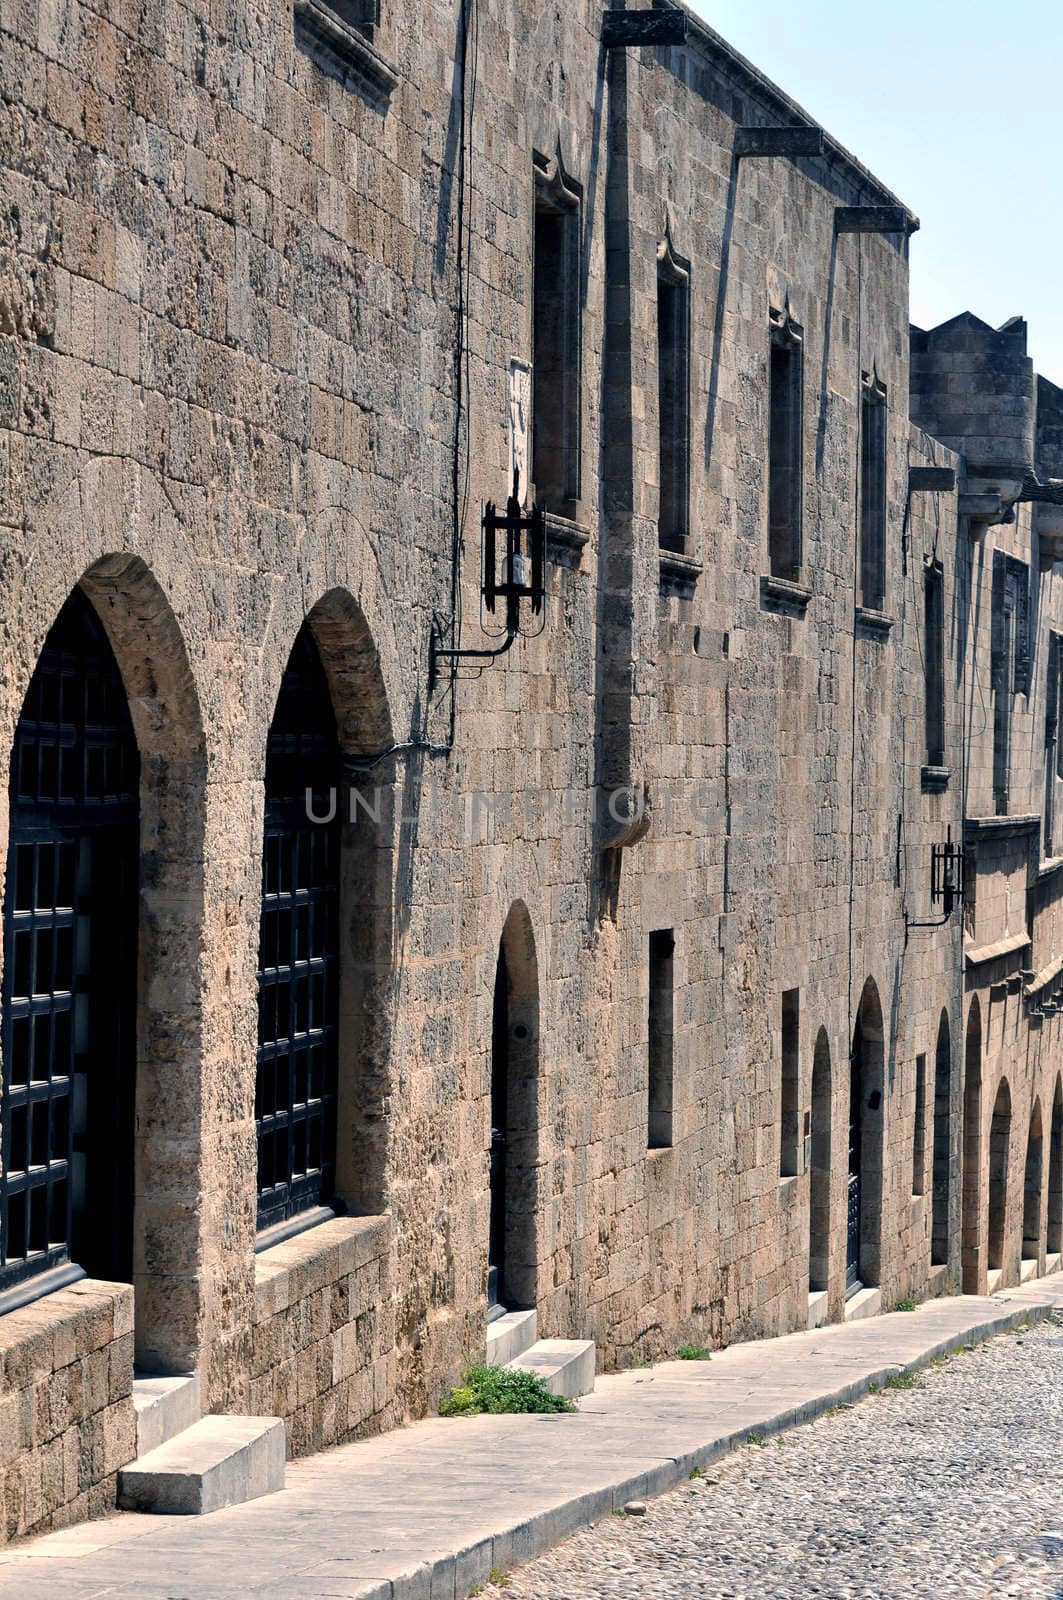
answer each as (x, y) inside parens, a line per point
(807, 141)
(623, 28)
(874, 219)
(931, 480)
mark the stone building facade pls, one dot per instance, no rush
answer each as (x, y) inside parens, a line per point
(285, 297)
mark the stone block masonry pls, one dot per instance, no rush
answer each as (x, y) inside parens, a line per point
(285, 295)
(323, 1342)
(66, 1406)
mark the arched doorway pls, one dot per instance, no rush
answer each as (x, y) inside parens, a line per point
(939, 1233)
(1055, 1173)
(298, 963)
(972, 1149)
(999, 1152)
(1032, 1183)
(512, 1264)
(69, 984)
(819, 1175)
(864, 1212)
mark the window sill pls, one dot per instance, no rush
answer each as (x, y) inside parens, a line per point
(978, 955)
(871, 624)
(346, 51)
(679, 573)
(39, 1285)
(281, 1232)
(287, 1272)
(1001, 827)
(566, 540)
(935, 779)
(783, 594)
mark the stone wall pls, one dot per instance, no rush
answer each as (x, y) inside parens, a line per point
(257, 320)
(323, 1350)
(66, 1408)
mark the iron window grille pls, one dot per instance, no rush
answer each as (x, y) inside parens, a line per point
(68, 993)
(295, 1095)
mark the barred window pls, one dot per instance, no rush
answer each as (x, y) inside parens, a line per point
(295, 1100)
(68, 1003)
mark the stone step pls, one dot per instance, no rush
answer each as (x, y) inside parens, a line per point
(566, 1366)
(864, 1303)
(1027, 1269)
(817, 1308)
(218, 1461)
(509, 1336)
(164, 1408)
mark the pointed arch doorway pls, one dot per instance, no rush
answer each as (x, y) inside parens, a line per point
(864, 1200)
(512, 1263)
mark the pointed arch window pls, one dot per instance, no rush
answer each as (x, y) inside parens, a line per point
(785, 446)
(556, 336)
(298, 977)
(873, 415)
(69, 981)
(673, 397)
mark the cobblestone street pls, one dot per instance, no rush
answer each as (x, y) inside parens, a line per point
(952, 1487)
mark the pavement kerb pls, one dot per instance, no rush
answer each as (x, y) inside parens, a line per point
(451, 1577)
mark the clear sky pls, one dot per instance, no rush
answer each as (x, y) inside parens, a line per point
(957, 105)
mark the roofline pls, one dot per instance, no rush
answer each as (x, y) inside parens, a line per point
(732, 61)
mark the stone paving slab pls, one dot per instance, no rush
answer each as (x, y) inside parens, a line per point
(425, 1513)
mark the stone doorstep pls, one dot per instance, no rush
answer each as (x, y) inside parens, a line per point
(864, 1303)
(508, 1337)
(164, 1408)
(817, 1308)
(566, 1366)
(218, 1461)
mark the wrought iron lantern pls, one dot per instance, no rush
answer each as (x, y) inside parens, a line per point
(948, 863)
(513, 567)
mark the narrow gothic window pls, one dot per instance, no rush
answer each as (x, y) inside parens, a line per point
(661, 1038)
(1010, 663)
(1053, 749)
(69, 995)
(556, 338)
(873, 494)
(673, 398)
(785, 447)
(919, 1134)
(791, 1001)
(934, 662)
(295, 1099)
